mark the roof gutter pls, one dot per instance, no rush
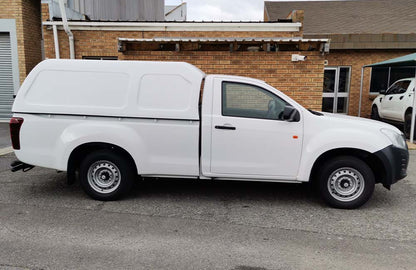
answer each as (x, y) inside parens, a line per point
(67, 30)
(181, 26)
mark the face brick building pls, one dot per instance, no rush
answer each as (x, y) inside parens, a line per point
(336, 46)
(261, 50)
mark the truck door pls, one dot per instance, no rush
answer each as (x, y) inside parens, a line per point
(393, 100)
(249, 137)
(398, 103)
(385, 104)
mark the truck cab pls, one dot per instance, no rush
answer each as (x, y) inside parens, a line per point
(245, 133)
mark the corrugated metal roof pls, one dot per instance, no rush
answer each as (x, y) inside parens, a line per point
(120, 10)
(407, 60)
(221, 39)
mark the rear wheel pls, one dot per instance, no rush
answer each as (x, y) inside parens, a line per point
(106, 175)
(346, 182)
(407, 125)
(374, 113)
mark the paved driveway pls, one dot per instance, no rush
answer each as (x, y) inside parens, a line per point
(183, 224)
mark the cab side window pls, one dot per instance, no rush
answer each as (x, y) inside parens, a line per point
(249, 101)
(398, 88)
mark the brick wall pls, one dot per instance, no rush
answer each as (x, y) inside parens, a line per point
(28, 30)
(32, 35)
(300, 80)
(356, 59)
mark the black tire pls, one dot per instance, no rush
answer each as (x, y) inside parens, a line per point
(374, 113)
(407, 126)
(343, 171)
(106, 175)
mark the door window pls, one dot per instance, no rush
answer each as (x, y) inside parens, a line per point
(249, 101)
(398, 88)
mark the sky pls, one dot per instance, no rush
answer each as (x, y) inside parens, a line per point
(223, 10)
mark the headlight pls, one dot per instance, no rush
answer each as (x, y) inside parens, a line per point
(397, 139)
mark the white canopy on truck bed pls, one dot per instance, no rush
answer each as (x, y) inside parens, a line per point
(168, 90)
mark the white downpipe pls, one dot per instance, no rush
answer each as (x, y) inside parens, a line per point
(361, 91)
(412, 122)
(56, 41)
(55, 31)
(67, 30)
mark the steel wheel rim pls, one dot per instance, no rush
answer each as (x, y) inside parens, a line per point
(104, 176)
(346, 184)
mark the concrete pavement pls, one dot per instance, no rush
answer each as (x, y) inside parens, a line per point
(185, 224)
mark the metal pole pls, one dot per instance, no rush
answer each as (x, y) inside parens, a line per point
(361, 92)
(67, 30)
(56, 41)
(412, 123)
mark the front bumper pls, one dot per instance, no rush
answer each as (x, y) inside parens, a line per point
(395, 161)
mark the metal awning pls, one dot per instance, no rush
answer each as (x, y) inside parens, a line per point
(222, 40)
(407, 60)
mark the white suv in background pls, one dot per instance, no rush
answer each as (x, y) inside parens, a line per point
(395, 104)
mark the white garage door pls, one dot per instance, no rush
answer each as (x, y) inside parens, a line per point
(6, 77)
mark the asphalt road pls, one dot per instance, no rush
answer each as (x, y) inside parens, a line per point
(4, 135)
(184, 224)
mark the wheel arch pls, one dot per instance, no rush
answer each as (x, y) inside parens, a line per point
(375, 164)
(376, 107)
(408, 110)
(75, 158)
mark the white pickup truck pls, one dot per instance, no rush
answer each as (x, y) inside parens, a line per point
(106, 122)
(395, 104)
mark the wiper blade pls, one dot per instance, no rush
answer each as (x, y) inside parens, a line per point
(315, 112)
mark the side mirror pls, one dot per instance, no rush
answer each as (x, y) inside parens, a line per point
(383, 92)
(290, 114)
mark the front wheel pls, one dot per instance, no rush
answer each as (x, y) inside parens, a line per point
(106, 175)
(346, 182)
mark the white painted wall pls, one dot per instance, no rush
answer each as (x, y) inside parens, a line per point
(175, 13)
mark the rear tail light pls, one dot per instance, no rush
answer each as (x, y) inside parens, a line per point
(15, 125)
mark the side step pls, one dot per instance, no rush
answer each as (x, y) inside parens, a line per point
(17, 165)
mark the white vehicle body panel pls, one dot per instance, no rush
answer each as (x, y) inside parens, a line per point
(163, 147)
(156, 120)
(335, 131)
(112, 88)
(394, 106)
(258, 147)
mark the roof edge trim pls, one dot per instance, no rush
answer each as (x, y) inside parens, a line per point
(182, 26)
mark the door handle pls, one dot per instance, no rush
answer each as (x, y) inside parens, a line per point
(225, 127)
(401, 97)
(390, 98)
